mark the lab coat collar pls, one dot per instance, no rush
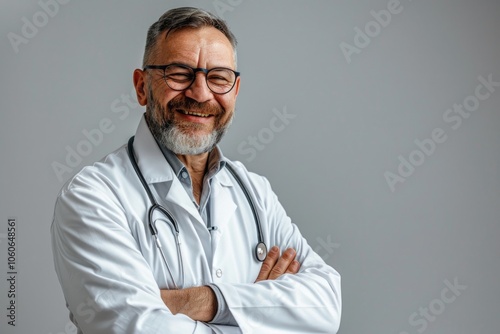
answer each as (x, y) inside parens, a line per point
(151, 161)
(223, 176)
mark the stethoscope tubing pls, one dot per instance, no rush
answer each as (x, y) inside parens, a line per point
(260, 249)
(155, 206)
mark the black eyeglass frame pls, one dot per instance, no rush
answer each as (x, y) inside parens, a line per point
(195, 70)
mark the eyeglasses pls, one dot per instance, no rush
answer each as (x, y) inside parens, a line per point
(179, 77)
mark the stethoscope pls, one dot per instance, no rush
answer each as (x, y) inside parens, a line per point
(260, 249)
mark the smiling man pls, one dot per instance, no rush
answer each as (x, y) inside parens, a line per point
(166, 235)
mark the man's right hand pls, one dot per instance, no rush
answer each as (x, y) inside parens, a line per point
(274, 266)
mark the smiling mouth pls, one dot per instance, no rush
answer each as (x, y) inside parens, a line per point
(191, 113)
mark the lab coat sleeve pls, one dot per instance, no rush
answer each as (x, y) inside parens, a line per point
(107, 284)
(306, 302)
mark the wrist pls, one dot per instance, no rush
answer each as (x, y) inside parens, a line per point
(203, 303)
(198, 303)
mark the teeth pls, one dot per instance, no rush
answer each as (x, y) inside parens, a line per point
(194, 114)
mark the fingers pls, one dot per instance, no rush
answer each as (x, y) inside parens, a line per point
(293, 268)
(268, 264)
(274, 266)
(283, 263)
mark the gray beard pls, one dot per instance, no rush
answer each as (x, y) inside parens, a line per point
(175, 138)
(179, 142)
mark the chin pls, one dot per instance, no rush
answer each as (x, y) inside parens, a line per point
(188, 143)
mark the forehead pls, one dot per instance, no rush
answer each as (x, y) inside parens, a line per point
(200, 47)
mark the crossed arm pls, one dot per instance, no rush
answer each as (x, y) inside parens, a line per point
(200, 303)
(104, 295)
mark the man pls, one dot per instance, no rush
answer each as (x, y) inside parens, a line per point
(207, 278)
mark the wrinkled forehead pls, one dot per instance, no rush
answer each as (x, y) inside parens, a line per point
(205, 46)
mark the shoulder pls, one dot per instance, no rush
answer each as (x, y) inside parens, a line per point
(257, 185)
(102, 176)
(251, 179)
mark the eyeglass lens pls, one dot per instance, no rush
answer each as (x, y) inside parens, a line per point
(219, 80)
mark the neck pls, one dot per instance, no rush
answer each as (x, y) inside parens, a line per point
(196, 166)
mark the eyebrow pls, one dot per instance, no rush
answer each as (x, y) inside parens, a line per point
(185, 64)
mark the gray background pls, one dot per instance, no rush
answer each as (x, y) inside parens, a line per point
(394, 249)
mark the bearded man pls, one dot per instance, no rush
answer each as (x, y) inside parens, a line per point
(166, 235)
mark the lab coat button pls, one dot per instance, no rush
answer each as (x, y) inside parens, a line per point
(184, 175)
(219, 273)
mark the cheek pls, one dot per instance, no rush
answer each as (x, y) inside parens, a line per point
(167, 96)
(227, 102)
(162, 98)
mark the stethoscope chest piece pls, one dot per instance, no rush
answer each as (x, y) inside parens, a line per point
(261, 251)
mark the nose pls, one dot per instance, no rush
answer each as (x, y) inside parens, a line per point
(199, 90)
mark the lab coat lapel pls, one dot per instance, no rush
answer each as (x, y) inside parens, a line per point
(223, 206)
(177, 196)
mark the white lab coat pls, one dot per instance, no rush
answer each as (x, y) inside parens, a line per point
(111, 271)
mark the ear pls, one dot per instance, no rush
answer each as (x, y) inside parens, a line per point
(140, 86)
(237, 86)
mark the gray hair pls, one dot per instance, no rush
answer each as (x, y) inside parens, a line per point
(184, 17)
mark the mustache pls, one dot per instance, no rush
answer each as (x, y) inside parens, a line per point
(187, 103)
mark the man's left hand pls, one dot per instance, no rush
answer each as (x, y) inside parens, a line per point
(200, 303)
(274, 266)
